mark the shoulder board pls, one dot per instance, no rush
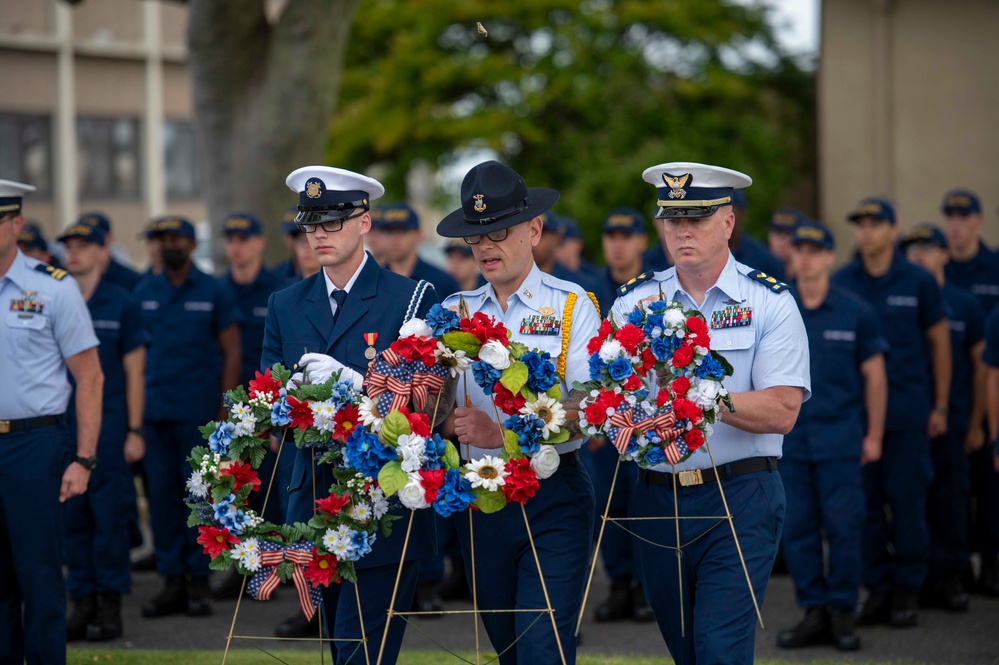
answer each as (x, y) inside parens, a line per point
(632, 283)
(766, 280)
(559, 283)
(54, 273)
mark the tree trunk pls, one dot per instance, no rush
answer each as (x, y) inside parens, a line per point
(263, 98)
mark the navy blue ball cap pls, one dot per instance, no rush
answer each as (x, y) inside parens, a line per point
(691, 190)
(89, 232)
(242, 224)
(96, 219)
(174, 224)
(494, 197)
(786, 219)
(925, 233)
(288, 225)
(551, 223)
(569, 228)
(458, 247)
(875, 207)
(32, 236)
(808, 233)
(960, 202)
(395, 217)
(624, 220)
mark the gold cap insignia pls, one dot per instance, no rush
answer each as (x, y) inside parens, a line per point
(959, 201)
(676, 185)
(479, 205)
(313, 189)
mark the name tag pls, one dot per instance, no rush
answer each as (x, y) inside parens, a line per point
(100, 324)
(199, 306)
(903, 301)
(260, 312)
(956, 326)
(985, 289)
(540, 324)
(150, 305)
(839, 335)
(733, 316)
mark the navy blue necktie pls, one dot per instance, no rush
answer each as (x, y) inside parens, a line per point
(338, 297)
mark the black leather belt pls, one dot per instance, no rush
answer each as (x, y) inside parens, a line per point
(700, 476)
(25, 424)
(564, 459)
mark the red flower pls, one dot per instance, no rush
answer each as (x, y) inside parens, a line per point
(264, 385)
(698, 326)
(596, 413)
(431, 482)
(345, 421)
(522, 483)
(610, 399)
(680, 385)
(683, 356)
(484, 329)
(632, 382)
(694, 439)
(301, 414)
(333, 504)
(506, 401)
(594, 344)
(216, 541)
(419, 423)
(321, 570)
(605, 331)
(630, 337)
(662, 398)
(687, 410)
(242, 473)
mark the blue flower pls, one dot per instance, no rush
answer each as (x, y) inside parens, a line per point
(654, 456)
(485, 376)
(281, 412)
(441, 320)
(229, 516)
(636, 316)
(455, 494)
(597, 365)
(366, 453)
(658, 307)
(360, 542)
(631, 447)
(540, 371)
(641, 394)
(221, 438)
(528, 429)
(434, 450)
(710, 368)
(620, 369)
(343, 393)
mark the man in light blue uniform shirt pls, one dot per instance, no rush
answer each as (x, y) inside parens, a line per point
(501, 219)
(768, 349)
(47, 330)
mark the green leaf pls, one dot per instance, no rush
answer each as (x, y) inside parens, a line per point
(555, 392)
(386, 524)
(222, 489)
(285, 570)
(462, 341)
(238, 395)
(197, 453)
(257, 454)
(393, 426)
(392, 478)
(221, 562)
(726, 365)
(243, 492)
(208, 430)
(528, 394)
(511, 444)
(560, 437)
(488, 502)
(280, 372)
(346, 571)
(319, 392)
(514, 377)
(586, 387)
(451, 457)
(318, 521)
(517, 349)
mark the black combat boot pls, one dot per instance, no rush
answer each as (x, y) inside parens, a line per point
(81, 612)
(812, 630)
(107, 624)
(904, 609)
(171, 600)
(199, 597)
(876, 609)
(844, 632)
(619, 604)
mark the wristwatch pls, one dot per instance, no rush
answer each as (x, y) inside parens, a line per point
(89, 463)
(140, 430)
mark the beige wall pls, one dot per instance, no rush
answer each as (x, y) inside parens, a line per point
(908, 106)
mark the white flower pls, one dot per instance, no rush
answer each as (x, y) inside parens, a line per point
(323, 414)
(329, 539)
(496, 355)
(412, 452)
(456, 361)
(415, 328)
(361, 512)
(368, 412)
(379, 504)
(704, 393)
(342, 548)
(251, 562)
(487, 473)
(549, 411)
(673, 317)
(545, 462)
(245, 426)
(240, 410)
(411, 495)
(197, 486)
(610, 350)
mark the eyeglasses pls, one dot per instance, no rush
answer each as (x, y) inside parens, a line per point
(495, 236)
(330, 221)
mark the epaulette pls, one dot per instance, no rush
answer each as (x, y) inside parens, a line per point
(766, 280)
(54, 273)
(632, 283)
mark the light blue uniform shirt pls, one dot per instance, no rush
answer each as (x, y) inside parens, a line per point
(46, 322)
(772, 350)
(539, 290)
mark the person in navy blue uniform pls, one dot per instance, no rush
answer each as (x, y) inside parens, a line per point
(96, 546)
(570, 250)
(975, 267)
(32, 243)
(115, 272)
(399, 226)
(46, 330)
(949, 503)
(768, 350)
(623, 239)
(193, 358)
(545, 256)
(909, 304)
(461, 265)
(990, 358)
(501, 218)
(837, 431)
(288, 269)
(328, 316)
(781, 231)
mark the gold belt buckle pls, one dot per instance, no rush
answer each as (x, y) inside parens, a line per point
(690, 478)
(4, 427)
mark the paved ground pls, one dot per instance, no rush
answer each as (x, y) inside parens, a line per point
(967, 639)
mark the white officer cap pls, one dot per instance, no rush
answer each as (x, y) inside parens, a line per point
(11, 194)
(689, 189)
(326, 193)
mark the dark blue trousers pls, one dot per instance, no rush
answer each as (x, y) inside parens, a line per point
(616, 549)
(896, 550)
(719, 619)
(168, 445)
(948, 503)
(825, 503)
(984, 527)
(32, 594)
(506, 574)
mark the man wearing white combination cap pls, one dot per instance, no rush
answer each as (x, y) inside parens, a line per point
(756, 325)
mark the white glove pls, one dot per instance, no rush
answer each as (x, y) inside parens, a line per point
(318, 368)
(295, 382)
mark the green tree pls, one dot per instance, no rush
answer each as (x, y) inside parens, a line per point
(581, 96)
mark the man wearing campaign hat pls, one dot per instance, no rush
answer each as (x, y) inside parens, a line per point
(342, 316)
(908, 302)
(500, 218)
(837, 431)
(47, 332)
(193, 358)
(755, 324)
(399, 227)
(948, 499)
(782, 225)
(97, 557)
(114, 271)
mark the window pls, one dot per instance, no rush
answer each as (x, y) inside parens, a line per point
(26, 151)
(108, 158)
(181, 160)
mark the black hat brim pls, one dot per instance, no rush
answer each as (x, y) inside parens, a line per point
(454, 225)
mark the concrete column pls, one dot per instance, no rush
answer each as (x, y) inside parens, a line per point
(154, 182)
(66, 190)
(883, 98)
